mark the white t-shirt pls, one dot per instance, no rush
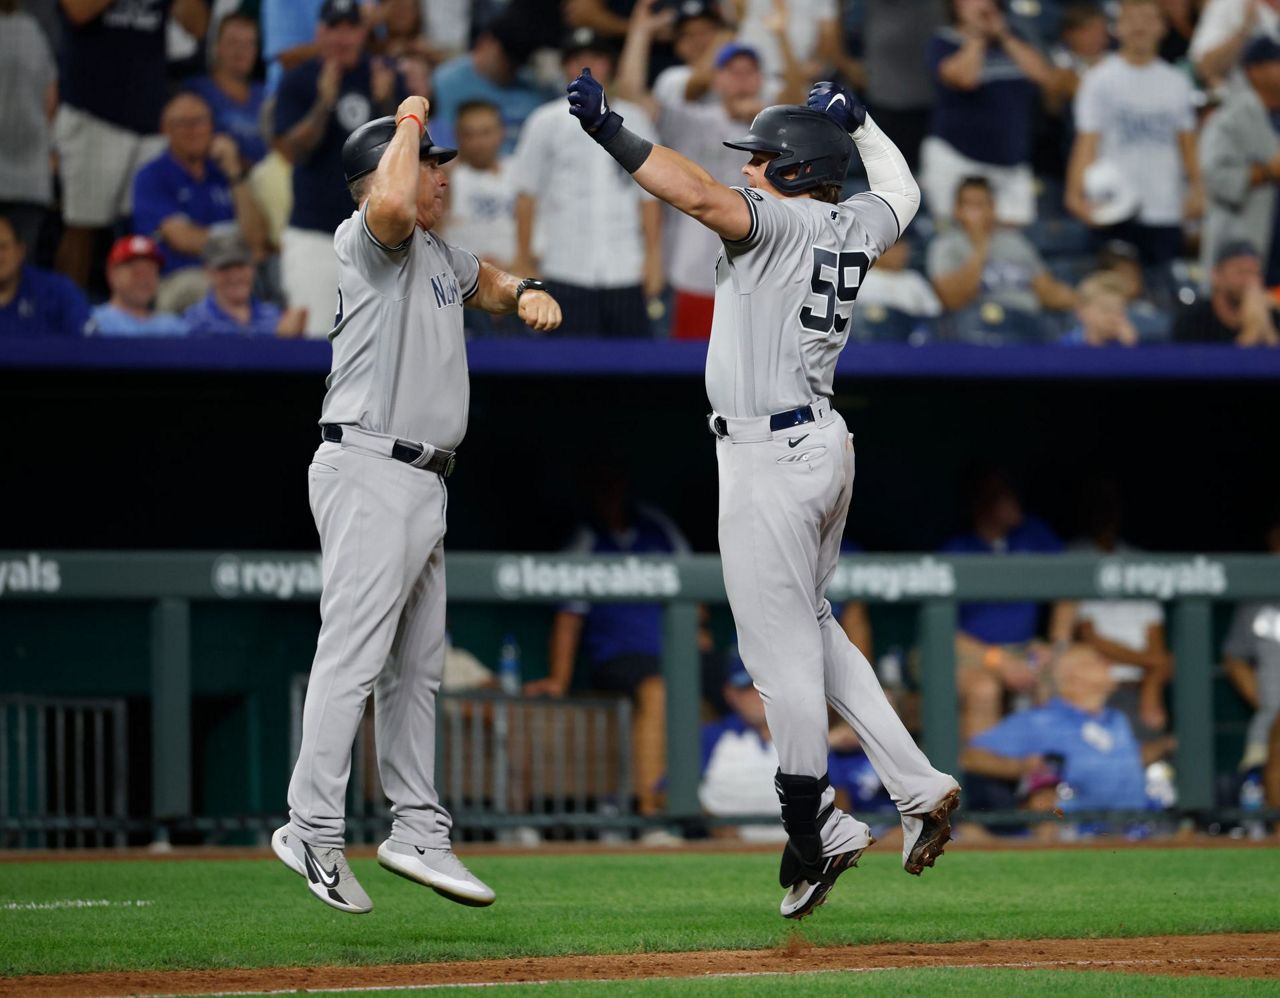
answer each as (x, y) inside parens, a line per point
(739, 780)
(482, 207)
(1126, 623)
(1221, 19)
(1138, 112)
(905, 290)
(803, 18)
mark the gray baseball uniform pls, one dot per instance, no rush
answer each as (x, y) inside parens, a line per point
(784, 300)
(399, 373)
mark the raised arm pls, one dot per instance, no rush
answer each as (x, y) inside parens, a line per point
(392, 210)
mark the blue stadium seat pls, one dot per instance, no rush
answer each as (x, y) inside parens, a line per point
(991, 325)
(877, 324)
(1153, 325)
(1071, 269)
(1059, 236)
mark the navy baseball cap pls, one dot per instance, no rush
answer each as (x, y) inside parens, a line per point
(1261, 49)
(689, 10)
(731, 50)
(339, 11)
(1233, 249)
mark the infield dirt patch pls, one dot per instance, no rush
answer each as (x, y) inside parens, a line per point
(1238, 955)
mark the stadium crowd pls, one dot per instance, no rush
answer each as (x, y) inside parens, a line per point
(1094, 173)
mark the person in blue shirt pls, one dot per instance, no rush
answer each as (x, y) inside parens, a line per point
(35, 302)
(196, 184)
(230, 308)
(986, 84)
(622, 642)
(230, 90)
(1074, 751)
(133, 274)
(288, 36)
(996, 646)
(490, 72)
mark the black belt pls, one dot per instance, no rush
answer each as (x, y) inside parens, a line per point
(442, 462)
(778, 421)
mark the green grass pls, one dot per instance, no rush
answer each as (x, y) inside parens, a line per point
(954, 983)
(251, 913)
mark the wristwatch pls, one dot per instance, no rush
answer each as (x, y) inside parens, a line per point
(529, 284)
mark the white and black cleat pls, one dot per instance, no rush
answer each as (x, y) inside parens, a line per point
(810, 888)
(325, 870)
(925, 836)
(438, 869)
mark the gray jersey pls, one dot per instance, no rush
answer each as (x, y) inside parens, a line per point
(399, 354)
(784, 299)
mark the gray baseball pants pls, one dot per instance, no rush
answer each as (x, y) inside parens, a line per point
(784, 498)
(382, 631)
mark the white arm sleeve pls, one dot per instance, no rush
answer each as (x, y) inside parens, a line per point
(887, 172)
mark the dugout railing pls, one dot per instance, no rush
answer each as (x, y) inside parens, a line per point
(1188, 584)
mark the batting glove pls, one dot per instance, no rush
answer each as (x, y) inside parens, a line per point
(844, 108)
(588, 104)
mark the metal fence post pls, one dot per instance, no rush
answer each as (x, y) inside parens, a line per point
(940, 711)
(170, 709)
(1193, 702)
(680, 672)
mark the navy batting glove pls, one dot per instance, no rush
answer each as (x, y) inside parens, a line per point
(847, 111)
(589, 105)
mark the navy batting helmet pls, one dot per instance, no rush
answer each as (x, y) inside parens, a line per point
(807, 141)
(364, 148)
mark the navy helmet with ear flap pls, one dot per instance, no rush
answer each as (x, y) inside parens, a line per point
(802, 139)
(364, 148)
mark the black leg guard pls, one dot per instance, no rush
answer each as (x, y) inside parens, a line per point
(803, 817)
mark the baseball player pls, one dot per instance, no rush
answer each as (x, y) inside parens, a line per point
(791, 259)
(395, 412)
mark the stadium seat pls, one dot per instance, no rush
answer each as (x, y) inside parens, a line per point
(877, 324)
(1153, 325)
(992, 325)
(1059, 236)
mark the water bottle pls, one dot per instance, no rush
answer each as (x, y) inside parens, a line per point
(509, 666)
(1252, 798)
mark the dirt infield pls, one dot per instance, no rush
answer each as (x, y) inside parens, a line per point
(1254, 955)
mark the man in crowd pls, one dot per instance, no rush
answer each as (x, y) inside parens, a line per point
(1134, 112)
(179, 197)
(699, 33)
(895, 47)
(318, 105)
(35, 302)
(581, 224)
(1237, 309)
(481, 195)
(229, 307)
(976, 261)
(29, 83)
(133, 274)
(1101, 308)
(113, 88)
(232, 94)
(1225, 28)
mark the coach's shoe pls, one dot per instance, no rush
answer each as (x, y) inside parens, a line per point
(811, 885)
(325, 869)
(438, 869)
(924, 836)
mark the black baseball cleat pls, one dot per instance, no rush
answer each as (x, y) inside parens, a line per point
(808, 886)
(924, 836)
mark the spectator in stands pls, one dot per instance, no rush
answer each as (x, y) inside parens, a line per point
(404, 43)
(592, 234)
(491, 72)
(978, 261)
(234, 97)
(700, 33)
(482, 188)
(318, 105)
(1134, 116)
(179, 197)
(29, 85)
(447, 27)
(812, 32)
(1224, 29)
(1181, 16)
(892, 284)
(996, 645)
(855, 781)
(1120, 259)
(133, 274)
(1237, 309)
(113, 89)
(987, 80)
(288, 36)
(1074, 739)
(622, 642)
(739, 762)
(1101, 309)
(230, 307)
(1084, 40)
(896, 36)
(1240, 154)
(35, 302)
(1128, 634)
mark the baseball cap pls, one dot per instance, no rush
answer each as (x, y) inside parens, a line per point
(1233, 249)
(226, 248)
(584, 39)
(338, 11)
(1262, 49)
(687, 10)
(731, 50)
(128, 248)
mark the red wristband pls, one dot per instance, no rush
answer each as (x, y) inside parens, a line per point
(403, 117)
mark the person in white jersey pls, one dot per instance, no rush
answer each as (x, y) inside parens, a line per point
(392, 419)
(791, 259)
